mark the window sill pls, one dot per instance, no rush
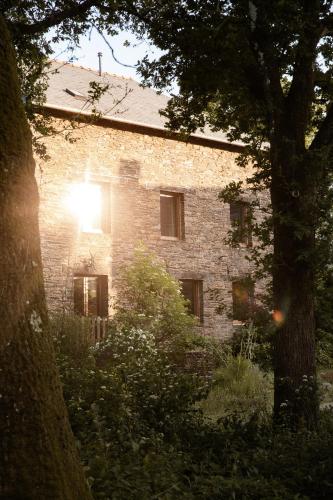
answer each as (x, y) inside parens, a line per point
(237, 322)
(170, 238)
(92, 231)
(245, 246)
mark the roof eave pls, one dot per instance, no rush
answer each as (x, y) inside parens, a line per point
(108, 121)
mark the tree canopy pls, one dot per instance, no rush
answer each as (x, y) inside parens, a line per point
(262, 72)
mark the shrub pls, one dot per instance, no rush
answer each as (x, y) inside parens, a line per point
(150, 299)
(254, 340)
(241, 388)
(140, 437)
(72, 338)
(127, 412)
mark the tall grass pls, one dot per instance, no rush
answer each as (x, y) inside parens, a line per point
(239, 387)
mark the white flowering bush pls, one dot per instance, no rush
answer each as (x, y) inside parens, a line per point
(162, 396)
(127, 409)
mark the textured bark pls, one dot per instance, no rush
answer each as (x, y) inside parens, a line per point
(295, 376)
(295, 174)
(38, 457)
(293, 201)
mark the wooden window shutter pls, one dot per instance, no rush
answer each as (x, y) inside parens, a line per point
(103, 297)
(78, 296)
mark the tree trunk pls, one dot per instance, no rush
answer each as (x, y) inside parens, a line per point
(293, 195)
(38, 457)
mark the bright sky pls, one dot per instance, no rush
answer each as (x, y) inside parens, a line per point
(86, 54)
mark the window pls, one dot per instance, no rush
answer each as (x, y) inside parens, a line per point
(90, 202)
(242, 299)
(192, 291)
(91, 295)
(239, 218)
(172, 215)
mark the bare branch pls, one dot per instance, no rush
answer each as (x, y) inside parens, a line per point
(100, 32)
(73, 10)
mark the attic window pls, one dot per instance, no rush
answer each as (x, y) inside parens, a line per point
(76, 94)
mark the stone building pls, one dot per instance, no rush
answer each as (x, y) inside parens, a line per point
(125, 180)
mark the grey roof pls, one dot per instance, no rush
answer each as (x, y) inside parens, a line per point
(125, 99)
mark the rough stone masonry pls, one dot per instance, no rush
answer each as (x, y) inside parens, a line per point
(137, 166)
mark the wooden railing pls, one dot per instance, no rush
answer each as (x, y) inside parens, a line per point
(98, 329)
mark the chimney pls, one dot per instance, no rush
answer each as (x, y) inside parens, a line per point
(100, 63)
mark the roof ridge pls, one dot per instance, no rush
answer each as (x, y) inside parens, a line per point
(86, 68)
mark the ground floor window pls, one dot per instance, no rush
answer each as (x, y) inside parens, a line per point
(91, 295)
(192, 291)
(242, 299)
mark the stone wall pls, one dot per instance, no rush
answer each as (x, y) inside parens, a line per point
(138, 166)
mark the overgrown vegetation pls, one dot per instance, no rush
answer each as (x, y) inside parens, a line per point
(262, 73)
(141, 435)
(241, 388)
(150, 299)
(146, 429)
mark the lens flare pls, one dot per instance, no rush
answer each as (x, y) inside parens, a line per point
(278, 317)
(85, 202)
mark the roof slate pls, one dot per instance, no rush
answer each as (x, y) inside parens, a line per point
(124, 100)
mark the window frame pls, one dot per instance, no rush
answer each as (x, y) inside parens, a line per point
(179, 215)
(197, 305)
(102, 298)
(243, 236)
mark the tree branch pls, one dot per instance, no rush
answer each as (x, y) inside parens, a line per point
(302, 86)
(262, 48)
(324, 136)
(56, 17)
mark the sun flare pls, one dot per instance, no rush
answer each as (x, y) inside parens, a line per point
(85, 203)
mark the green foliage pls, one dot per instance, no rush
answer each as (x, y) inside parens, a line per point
(241, 388)
(72, 337)
(262, 73)
(127, 411)
(324, 320)
(232, 192)
(150, 299)
(140, 436)
(254, 340)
